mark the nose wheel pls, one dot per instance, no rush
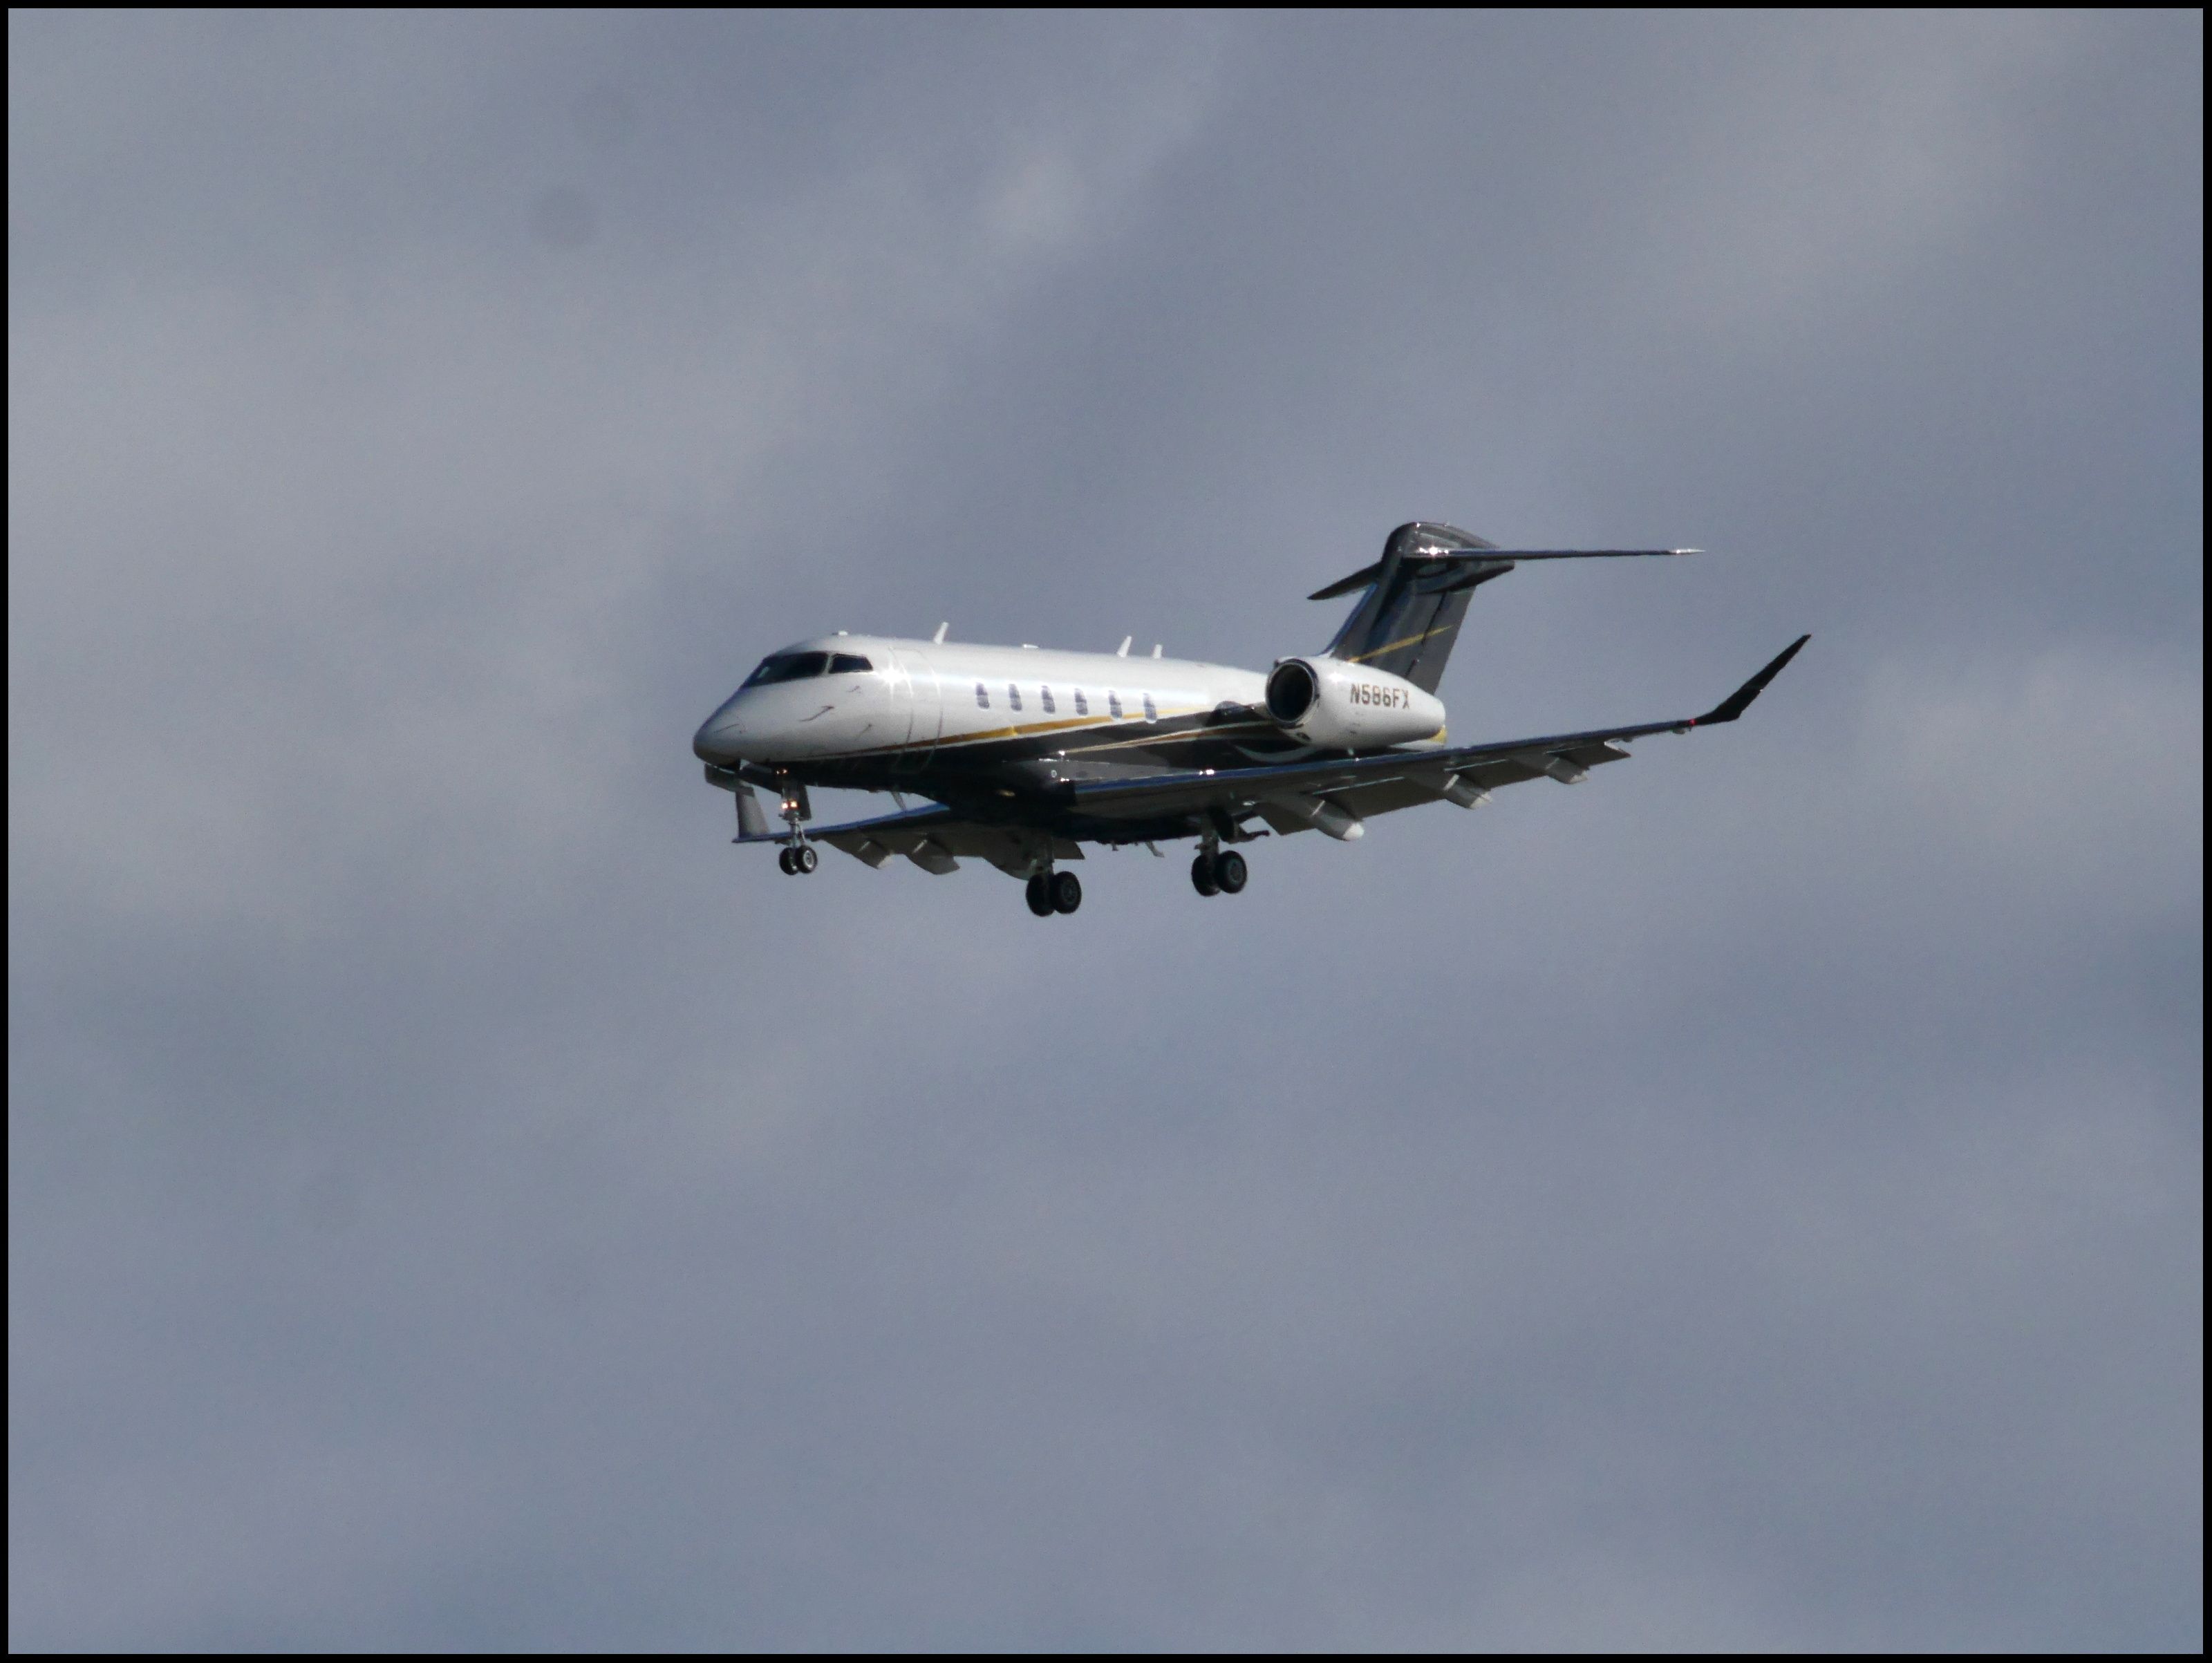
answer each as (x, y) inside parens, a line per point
(1222, 873)
(797, 860)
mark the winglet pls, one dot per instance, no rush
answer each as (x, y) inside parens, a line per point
(1740, 700)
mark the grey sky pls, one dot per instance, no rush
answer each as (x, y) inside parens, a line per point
(455, 1200)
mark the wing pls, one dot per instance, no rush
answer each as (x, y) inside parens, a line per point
(1288, 795)
(934, 837)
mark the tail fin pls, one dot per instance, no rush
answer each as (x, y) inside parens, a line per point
(1409, 617)
(1416, 596)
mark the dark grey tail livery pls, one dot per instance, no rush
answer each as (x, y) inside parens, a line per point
(1416, 596)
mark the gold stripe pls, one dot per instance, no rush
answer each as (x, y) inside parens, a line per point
(1144, 735)
(1139, 741)
(1392, 646)
(975, 738)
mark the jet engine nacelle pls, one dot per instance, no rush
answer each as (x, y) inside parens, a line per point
(1347, 707)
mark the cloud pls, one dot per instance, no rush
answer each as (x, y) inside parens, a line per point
(1751, 1198)
(1829, 162)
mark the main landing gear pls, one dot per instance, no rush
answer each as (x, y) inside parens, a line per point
(1218, 873)
(1054, 892)
(798, 859)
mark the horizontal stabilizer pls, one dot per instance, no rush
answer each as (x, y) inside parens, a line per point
(1488, 557)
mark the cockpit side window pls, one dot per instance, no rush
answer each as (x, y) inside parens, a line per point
(787, 667)
(849, 663)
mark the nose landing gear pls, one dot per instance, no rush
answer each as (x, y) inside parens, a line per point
(797, 858)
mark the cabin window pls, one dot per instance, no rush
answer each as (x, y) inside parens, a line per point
(787, 667)
(1044, 698)
(848, 664)
(982, 697)
(1150, 713)
(1082, 704)
(1114, 704)
(1013, 696)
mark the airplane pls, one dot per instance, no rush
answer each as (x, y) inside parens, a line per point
(1025, 754)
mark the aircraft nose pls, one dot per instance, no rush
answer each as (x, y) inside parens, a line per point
(718, 739)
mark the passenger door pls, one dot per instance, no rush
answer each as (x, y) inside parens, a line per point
(913, 684)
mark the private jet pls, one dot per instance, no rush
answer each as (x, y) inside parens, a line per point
(1024, 755)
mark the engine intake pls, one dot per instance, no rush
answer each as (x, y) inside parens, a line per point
(1291, 690)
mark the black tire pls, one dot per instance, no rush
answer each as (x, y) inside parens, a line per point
(1202, 875)
(1066, 892)
(1229, 872)
(783, 860)
(1041, 895)
(804, 859)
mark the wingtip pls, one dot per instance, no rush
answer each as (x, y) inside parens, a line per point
(1774, 668)
(1740, 700)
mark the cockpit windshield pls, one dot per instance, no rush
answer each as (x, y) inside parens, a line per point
(787, 667)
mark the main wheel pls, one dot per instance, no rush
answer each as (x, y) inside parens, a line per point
(803, 858)
(1229, 872)
(1202, 875)
(783, 860)
(1041, 895)
(1066, 892)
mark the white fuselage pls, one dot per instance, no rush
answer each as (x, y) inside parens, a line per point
(918, 699)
